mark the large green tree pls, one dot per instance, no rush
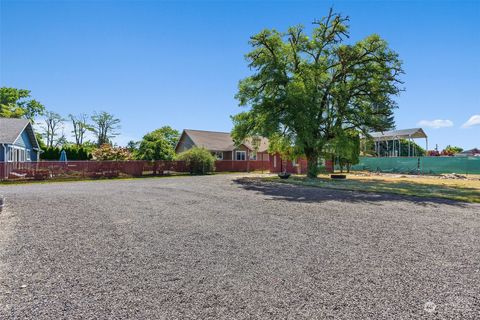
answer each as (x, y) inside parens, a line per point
(311, 88)
(158, 144)
(16, 103)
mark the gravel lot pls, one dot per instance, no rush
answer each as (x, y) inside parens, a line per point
(220, 247)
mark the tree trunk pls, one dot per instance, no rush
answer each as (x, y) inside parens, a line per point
(312, 165)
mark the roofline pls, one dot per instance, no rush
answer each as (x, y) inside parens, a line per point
(34, 137)
(179, 139)
(184, 132)
(207, 131)
(21, 131)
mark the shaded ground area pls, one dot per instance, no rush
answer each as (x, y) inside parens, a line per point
(225, 247)
(467, 190)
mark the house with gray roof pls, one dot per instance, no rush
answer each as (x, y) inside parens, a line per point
(17, 141)
(222, 145)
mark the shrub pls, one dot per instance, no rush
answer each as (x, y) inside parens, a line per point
(198, 160)
(108, 152)
(73, 153)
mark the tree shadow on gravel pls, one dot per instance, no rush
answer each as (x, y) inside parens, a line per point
(308, 194)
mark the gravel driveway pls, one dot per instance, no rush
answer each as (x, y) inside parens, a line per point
(229, 248)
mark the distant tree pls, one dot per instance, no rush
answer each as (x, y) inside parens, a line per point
(61, 140)
(158, 144)
(105, 127)
(451, 150)
(385, 148)
(15, 103)
(415, 149)
(309, 88)
(52, 125)
(132, 146)
(80, 127)
(40, 141)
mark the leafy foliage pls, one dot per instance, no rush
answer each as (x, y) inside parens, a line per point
(15, 103)
(198, 160)
(158, 144)
(451, 150)
(108, 152)
(386, 148)
(345, 149)
(132, 146)
(414, 147)
(311, 88)
(73, 153)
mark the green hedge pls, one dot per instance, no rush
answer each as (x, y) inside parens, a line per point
(73, 153)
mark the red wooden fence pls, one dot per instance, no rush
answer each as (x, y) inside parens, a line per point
(108, 169)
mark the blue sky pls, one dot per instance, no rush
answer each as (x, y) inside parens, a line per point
(155, 63)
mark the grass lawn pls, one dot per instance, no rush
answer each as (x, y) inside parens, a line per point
(454, 189)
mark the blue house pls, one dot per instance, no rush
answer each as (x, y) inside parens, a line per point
(17, 141)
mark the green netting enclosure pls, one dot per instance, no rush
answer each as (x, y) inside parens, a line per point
(420, 165)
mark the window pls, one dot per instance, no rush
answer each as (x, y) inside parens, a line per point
(218, 155)
(253, 156)
(274, 161)
(16, 154)
(240, 155)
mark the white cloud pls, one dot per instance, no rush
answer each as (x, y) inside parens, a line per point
(435, 123)
(473, 121)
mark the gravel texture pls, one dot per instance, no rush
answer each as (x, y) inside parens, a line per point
(230, 248)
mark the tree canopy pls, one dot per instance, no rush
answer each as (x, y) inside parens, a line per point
(158, 144)
(15, 103)
(311, 88)
(105, 127)
(344, 149)
(451, 150)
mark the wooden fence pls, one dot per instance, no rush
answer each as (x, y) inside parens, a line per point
(43, 170)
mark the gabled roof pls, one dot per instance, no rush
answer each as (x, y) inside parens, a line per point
(219, 141)
(11, 129)
(399, 134)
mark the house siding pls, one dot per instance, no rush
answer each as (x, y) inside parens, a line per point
(227, 155)
(23, 141)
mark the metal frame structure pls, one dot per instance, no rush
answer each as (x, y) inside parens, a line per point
(392, 138)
